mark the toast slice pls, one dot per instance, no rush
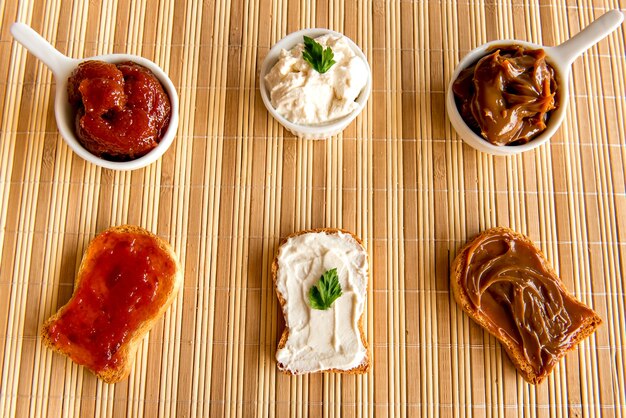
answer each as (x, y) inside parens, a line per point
(504, 282)
(126, 280)
(315, 340)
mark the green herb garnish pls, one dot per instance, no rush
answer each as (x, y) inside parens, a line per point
(320, 59)
(326, 291)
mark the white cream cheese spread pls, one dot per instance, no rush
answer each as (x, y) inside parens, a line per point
(321, 340)
(303, 96)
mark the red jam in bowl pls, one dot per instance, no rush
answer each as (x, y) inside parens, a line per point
(121, 109)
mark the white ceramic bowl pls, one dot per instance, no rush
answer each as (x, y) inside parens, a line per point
(63, 66)
(320, 131)
(559, 57)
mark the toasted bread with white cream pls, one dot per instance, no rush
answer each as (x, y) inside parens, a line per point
(314, 340)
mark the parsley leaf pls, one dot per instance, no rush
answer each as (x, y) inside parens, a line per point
(320, 59)
(326, 291)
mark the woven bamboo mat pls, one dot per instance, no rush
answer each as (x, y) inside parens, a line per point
(234, 182)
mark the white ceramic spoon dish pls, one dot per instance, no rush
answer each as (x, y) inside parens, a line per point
(559, 57)
(323, 130)
(62, 66)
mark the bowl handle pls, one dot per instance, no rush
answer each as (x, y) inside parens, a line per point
(41, 48)
(571, 49)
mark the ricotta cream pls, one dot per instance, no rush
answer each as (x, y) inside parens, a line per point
(322, 340)
(303, 96)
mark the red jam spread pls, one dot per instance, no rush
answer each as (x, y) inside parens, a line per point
(509, 282)
(122, 110)
(119, 288)
(507, 96)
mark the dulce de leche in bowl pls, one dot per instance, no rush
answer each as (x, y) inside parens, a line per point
(504, 283)
(507, 96)
(512, 95)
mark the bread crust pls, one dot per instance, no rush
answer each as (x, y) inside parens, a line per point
(129, 348)
(514, 352)
(365, 365)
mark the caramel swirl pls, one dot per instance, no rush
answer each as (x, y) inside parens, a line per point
(507, 96)
(509, 282)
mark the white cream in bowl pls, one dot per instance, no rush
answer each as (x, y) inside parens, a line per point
(326, 114)
(304, 96)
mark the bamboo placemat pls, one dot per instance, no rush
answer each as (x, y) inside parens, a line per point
(234, 182)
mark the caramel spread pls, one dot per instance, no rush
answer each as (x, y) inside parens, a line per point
(507, 96)
(121, 286)
(510, 284)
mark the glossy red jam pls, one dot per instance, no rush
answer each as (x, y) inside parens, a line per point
(120, 287)
(122, 110)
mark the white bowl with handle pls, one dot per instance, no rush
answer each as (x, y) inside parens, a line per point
(62, 66)
(559, 57)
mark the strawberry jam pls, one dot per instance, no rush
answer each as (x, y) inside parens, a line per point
(120, 286)
(121, 110)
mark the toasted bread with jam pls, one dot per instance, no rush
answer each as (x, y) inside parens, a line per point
(126, 280)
